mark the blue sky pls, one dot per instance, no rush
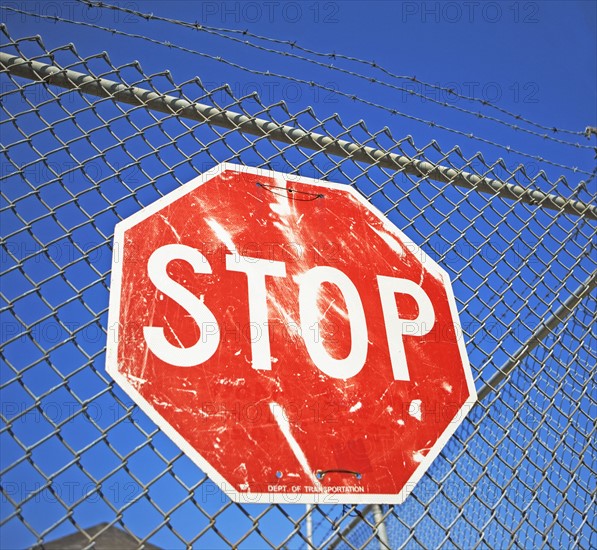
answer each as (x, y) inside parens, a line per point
(536, 59)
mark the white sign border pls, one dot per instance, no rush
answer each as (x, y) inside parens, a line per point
(247, 497)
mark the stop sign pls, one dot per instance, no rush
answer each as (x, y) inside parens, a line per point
(294, 343)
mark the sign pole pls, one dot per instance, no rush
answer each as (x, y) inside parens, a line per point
(309, 525)
(381, 527)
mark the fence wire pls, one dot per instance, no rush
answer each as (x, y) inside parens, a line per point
(77, 453)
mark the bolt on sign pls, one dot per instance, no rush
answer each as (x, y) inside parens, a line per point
(288, 337)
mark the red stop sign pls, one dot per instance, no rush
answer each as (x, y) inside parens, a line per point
(294, 343)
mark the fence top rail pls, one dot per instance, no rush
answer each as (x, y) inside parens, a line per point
(67, 78)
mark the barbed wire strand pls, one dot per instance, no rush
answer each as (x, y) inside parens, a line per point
(301, 81)
(372, 64)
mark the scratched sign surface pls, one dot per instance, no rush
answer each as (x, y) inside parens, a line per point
(294, 343)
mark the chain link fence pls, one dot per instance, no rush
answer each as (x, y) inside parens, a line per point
(77, 453)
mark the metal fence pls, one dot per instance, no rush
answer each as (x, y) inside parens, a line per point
(79, 154)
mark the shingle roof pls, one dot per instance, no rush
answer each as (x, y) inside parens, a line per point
(109, 538)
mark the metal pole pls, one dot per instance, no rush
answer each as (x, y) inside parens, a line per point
(380, 527)
(545, 328)
(132, 95)
(309, 526)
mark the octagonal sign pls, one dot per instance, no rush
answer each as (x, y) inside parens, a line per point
(290, 339)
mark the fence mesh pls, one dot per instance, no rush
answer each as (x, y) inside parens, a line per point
(76, 452)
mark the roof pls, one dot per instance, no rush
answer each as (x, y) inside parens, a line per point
(104, 538)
